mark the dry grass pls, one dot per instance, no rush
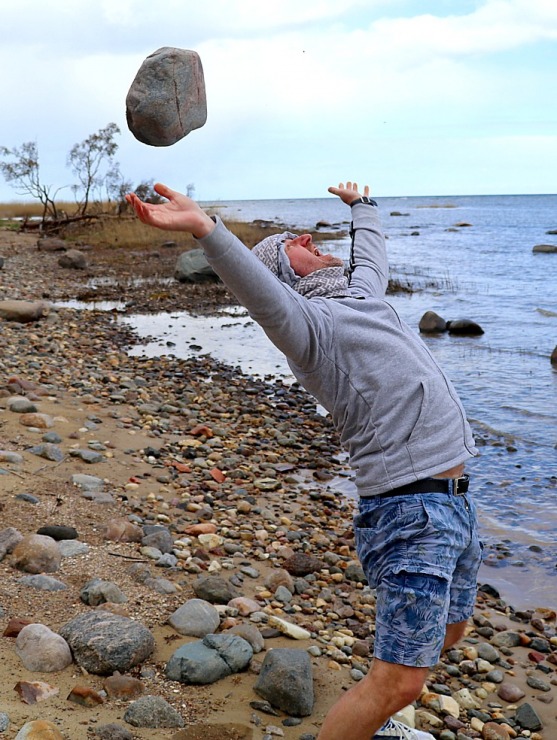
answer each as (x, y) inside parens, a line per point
(126, 231)
(30, 210)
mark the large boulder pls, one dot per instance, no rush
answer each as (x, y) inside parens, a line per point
(432, 323)
(464, 328)
(167, 98)
(102, 642)
(286, 681)
(192, 267)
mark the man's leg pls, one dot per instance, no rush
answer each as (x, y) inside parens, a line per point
(454, 633)
(386, 689)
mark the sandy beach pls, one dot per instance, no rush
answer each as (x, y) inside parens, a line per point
(191, 448)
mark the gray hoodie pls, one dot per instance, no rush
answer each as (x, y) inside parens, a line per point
(395, 410)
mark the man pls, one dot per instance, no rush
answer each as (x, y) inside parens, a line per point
(403, 425)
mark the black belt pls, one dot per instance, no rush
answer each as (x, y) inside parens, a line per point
(454, 486)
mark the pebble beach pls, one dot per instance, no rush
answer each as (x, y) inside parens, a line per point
(171, 542)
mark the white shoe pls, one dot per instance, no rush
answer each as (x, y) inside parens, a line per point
(398, 731)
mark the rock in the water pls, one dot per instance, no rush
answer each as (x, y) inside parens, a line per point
(23, 312)
(195, 618)
(464, 328)
(40, 649)
(73, 259)
(102, 642)
(432, 323)
(192, 267)
(36, 553)
(167, 98)
(554, 356)
(545, 248)
(286, 681)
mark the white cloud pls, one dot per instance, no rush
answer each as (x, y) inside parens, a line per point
(293, 84)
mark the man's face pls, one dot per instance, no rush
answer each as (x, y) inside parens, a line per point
(305, 258)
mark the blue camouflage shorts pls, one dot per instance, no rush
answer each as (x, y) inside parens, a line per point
(422, 554)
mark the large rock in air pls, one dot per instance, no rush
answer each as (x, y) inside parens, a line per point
(167, 100)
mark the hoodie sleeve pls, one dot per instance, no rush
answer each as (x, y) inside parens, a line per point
(284, 315)
(369, 269)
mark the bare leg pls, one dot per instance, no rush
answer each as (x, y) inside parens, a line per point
(454, 633)
(386, 689)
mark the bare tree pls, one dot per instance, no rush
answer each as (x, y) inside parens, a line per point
(20, 168)
(92, 161)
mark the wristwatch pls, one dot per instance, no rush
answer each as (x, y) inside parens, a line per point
(364, 199)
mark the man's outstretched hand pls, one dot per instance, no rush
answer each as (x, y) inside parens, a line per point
(179, 213)
(349, 192)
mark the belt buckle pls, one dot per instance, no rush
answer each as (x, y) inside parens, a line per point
(460, 485)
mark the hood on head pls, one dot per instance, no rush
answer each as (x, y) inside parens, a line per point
(271, 252)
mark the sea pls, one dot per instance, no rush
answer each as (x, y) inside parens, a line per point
(464, 257)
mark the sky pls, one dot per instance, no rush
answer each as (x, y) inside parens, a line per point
(414, 97)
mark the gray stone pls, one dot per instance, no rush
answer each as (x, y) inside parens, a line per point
(526, 716)
(207, 661)
(43, 583)
(161, 585)
(73, 259)
(48, 451)
(355, 573)
(87, 482)
(488, 652)
(537, 683)
(102, 642)
(97, 592)
(42, 650)
(167, 98)
(11, 458)
(4, 721)
(195, 618)
(286, 681)
(72, 548)
(167, 560)
(154, 712)
(506, 639)
(192, 267)
(161, 539)
(214, 589)
(113, 731)
(432, 323)
(9, 538)
(251, 634)
(89, 456)
(52, 437)
(22, 406)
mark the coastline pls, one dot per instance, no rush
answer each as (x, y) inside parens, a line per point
(99, 397)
